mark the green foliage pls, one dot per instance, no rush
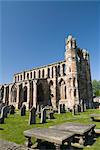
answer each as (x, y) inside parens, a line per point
(15, 125)
(96, 87)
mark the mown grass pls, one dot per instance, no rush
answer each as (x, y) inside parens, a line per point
(12, 129)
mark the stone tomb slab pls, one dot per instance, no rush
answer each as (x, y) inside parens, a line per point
(51, 135)
(81, 131)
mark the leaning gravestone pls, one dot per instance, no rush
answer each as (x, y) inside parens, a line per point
(23, 110)
(32, 117)
(5, 110)
(43, 115)
(2, 116)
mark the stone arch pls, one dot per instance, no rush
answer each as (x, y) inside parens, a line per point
(51, 92)
(74, 81)
(40, 93)
(14, 93)
(39, 74)
(25, 94)
(62, 88)
(64, 69)
(34, 74)
(27, 75)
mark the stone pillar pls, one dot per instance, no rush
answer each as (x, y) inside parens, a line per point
(34, 93)
(28, 95)
(4, 97)
(17, 99)
(10, 94)
(61, 70)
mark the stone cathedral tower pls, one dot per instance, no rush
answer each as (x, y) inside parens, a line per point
(71, 71)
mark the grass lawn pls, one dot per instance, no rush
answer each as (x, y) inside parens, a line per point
(14, 126)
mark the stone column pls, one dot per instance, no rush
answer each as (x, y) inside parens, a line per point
(10, 94)
(34, 93)
(61, 70)
(17, 99)
(28, 95)
(4, 97)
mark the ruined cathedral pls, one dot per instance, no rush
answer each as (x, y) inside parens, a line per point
(66, 82)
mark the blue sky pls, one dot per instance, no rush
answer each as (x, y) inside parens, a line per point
(33, 33)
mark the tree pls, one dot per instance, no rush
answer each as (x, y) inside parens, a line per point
(96, 87)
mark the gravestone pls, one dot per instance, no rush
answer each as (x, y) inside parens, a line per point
(84, 107)
(23, 110)
(1, 105)
(51, 115)
(5, 111)
(73, 110)
(64, 108)
(32, 117)
(43, 115)
(12, 109)
(60, 109)
(79, 108)
(2, 115)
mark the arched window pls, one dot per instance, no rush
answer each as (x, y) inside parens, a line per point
(31, 75)
(18, 78)
(75, 93)
(56, 70)
(39, 75)
(64, 69)
(43, 73)
(13, 93)
(25, 94)
(74, 81)
(34, 74)
(24, 75)
(15, 78)
(27, 75)
(21, 77)
(48, 72)
(59, 70)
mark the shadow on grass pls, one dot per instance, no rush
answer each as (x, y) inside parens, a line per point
(1, 129)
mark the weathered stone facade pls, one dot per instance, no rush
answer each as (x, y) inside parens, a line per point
(67, 82)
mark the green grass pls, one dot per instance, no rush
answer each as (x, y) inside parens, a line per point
(14, 126)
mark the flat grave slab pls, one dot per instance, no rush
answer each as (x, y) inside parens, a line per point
(81, 131)
(95, 117)
(51, 135)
